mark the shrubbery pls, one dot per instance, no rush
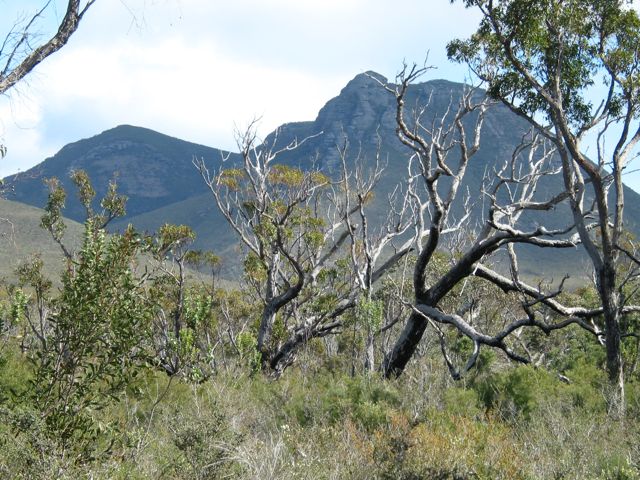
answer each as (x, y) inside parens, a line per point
(122, 374)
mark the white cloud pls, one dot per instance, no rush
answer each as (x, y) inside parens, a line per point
(188, 90)
(191, 88)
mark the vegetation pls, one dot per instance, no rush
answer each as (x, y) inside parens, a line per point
(86, 392)
(136, 362)
(321, 422)
(544, 61)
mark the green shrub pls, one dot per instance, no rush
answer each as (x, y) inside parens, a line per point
(204, 443)
(518, 392)
(461, 401)
(457, 447)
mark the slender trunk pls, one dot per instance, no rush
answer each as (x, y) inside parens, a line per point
(369, 354)
(264, 334)
(177, 314)
(369, 322)
(354, 350)
(615, 371)
(604, 262)
(405, 346)
(268, 312)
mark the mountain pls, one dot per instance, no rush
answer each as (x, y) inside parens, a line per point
(156, 172)
(152, 169)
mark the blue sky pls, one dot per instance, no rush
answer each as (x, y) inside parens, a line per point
(199, 69)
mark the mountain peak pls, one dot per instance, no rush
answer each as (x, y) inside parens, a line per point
(132, 132)
(153, 169)
(365, 80)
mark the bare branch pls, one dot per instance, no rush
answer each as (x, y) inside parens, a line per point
(14, 71)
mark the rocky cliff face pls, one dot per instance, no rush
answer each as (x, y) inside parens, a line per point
(362, 113)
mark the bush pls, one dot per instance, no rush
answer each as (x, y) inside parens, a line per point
(457, 447)
(204, 443)
(516, 393)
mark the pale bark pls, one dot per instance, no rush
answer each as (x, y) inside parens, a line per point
(557, 86)
(499, 230)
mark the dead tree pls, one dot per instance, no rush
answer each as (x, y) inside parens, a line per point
(294, 226)
(274, 210)
(443, 150)
(370, 243)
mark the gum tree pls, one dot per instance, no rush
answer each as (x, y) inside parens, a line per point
(274, 210)
(571, 68)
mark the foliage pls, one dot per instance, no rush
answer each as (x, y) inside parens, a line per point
(369, 312)
(549, 62)
(327, 424)
(52, 219)
(184, 315)
(203, 443)
(450, 446)
(594, 33)
(170, 239)
(248, 350)
(85, 345)
(93, 350)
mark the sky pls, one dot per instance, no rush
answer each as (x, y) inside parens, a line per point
(201, 69)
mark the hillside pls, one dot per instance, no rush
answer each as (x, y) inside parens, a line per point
(21, 237)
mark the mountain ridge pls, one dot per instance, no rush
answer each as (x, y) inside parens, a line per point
(156, 172)
(151, 168)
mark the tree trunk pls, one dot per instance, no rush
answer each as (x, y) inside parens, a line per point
(264, 334)
(286, 354)
(369, 354)
(284, 358)
(269, 311)
(610, 304)
(406, 345)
